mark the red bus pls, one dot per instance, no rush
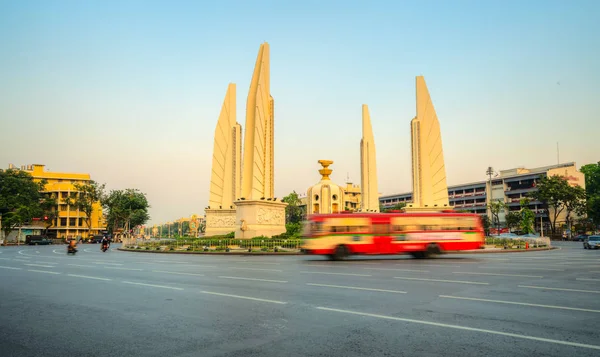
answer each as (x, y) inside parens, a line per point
(419, 234)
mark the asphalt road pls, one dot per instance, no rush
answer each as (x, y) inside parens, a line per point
(135, 304)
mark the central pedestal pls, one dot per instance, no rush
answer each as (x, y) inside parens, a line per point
(220, 221)
(259, 218)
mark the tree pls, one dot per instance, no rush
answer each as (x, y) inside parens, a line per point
(555, 193)
(592, 190)
(397, 207)
(574, 204)
(527, 217)
(293, 211)
(495, 208)
(20, 199)
(513, 220)
(87, 199)
(485, 221)
(125, 209)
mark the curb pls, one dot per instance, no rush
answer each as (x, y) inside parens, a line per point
(207, 253)
(481, 251)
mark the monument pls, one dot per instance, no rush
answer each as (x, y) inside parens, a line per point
(325, 196)
(225, 180)
(257, 210)
(368, 166)
(430, 191)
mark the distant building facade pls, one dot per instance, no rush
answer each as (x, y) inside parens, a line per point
(69, 223)
(510, 186)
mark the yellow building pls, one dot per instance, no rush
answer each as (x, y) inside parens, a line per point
(69, 223)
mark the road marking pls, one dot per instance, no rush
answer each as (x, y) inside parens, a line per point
(277, 270)
(244, 297)
(199, 266)
(176, 272)
(443, 281)
(54, 263)
(358, 288)
(40, 265)
(85, 266)
(328, 273)
(394, 269)
(43, 271)
(587, 279)
(13, 268)
(102, 263)
(153, 285)
(5, 258)
(169, 261)
(55, 252)
(519, 303)
(88, 277)
(559, 289)
(119, 268)
(251, 262)
(528, 268)
(21, 260)
(255, 279)
(496, 274)
(87, 250)
(465, 328)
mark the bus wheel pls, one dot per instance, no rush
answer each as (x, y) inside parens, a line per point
(341, 252)
(433, 249)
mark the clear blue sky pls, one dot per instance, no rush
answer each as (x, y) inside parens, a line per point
(130, 91)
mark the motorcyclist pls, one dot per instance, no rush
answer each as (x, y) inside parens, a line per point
(105, 242)
(72, 245)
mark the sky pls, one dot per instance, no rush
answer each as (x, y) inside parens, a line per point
(130, 91)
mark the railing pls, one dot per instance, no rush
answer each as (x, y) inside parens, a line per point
(207, 245)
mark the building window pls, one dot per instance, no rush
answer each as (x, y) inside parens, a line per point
(72, 222)
(63, 194)
(80, 222)
(63, 222)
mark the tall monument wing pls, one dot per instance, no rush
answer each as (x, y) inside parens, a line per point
(257, 178)
(368, 165)
(428, 168)
(226, 162)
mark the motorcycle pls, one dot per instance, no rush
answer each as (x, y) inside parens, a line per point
(71, 250)
(104, 247)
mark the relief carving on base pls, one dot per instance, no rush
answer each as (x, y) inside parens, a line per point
(271, 216)
(220, 221)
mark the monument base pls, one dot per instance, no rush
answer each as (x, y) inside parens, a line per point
(219, 222)
(259, 218)
(415, 209)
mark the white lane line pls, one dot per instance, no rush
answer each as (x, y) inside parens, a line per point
(53, 263)
(244, 297)
(587, 279)
(85, 266)
(119, 268)
(40, 265)
(443, 281)
(176, 272)
(55, 252)
(496, 274)
(465, 328)
(415, 270)
(559, 289)
(436, 265)
(277, 270)
(153, 285)
(198, 266)
(21, 260)
(12, 268)
(497, 267)
(358, 288)
(43, 271)
(169, 261)
(251, 262)
(5, 258)
(254, 279)
(102, 263)
(519, 303)
(88, 277)
(328, 273)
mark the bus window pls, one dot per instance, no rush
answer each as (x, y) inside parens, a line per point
(380, 229)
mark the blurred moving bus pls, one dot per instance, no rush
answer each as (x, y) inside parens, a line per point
(418, 234)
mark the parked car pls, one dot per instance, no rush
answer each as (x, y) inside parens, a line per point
(592, 242)
(580, 237)
(37, 240)
(96, 239)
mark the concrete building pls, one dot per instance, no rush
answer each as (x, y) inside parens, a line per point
(508, 186)
(368, 166)
(69, 223)
(430, 191)
(257, 211)
(226, 174)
